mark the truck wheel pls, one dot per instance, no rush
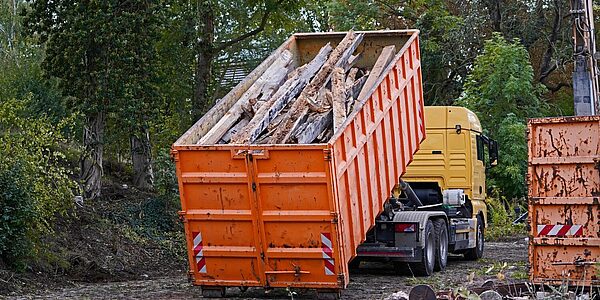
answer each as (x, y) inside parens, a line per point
(425, 266)
(441, 245)
(477, 252)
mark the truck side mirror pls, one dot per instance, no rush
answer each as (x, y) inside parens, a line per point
(493, 150)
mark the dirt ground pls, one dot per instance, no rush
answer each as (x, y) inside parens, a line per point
(503, 263)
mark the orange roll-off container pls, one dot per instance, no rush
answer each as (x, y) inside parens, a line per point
(292, 215)
(564, 208)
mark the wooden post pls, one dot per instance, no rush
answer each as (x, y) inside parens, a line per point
(286, 93)
(338, 89)
(301, 107)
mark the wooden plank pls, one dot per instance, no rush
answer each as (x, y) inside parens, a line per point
(386, 56)
(338, 89)
(277, 71)
(339, 56)
(270, 88)
(286, 93)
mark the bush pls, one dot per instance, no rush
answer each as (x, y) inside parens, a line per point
(501, 214)
(510, 174)
(34, 187)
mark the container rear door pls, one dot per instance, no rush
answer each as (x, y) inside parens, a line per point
(224, 246)
(259, 217)
(564, 188)
(297, 219)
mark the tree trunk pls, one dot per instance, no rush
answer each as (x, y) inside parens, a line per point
(205, 55)
(91, 158)
(202, 75)
(495, 12)
(141, 157)
(546, 67)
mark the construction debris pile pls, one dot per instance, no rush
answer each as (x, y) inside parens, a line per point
(304, 105)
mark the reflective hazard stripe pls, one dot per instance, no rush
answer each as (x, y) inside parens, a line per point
(560, 230)
(198, 253)
(327, 248)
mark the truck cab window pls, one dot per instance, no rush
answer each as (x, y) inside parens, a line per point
(480, 150)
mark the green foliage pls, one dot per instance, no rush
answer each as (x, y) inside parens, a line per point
(21, 75)
(34, 187)
(501, 90)
(501, 83)
(501, 214)
(509, 175)
(95, 48)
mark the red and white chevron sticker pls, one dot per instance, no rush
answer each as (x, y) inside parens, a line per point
(560, 230)
(198, 253)
(327, 247)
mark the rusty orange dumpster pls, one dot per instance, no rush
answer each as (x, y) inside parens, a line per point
(564, 211)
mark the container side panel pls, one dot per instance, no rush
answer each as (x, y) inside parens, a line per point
(377, 145)
(564, 210)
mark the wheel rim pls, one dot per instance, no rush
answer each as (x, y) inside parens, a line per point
(444, 247)
(430, 250)
(479, 239)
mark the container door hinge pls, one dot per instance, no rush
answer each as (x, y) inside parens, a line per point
(254, 186)
(327, 154)
(335, 218)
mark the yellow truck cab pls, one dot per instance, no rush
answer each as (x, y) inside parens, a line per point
(439, 204)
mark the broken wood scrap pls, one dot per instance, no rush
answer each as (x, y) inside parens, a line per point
(349, 83)
(314, 126)
(354, 58)
(276, 72)
(280, 99)
(271, 86)
(354, 91)
(235, 129)
(324, 136)
(338, 90)
(301, 107)
(384, 59)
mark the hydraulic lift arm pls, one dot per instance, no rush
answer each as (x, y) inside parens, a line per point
(585, 75)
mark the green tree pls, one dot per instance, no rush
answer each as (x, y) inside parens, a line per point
(502, 91)
(502, 83)
(451, 35)
(100, 53)
(223, 25)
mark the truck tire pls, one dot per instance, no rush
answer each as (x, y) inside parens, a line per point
(477, 252)
(441, 245)
(425, 266)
